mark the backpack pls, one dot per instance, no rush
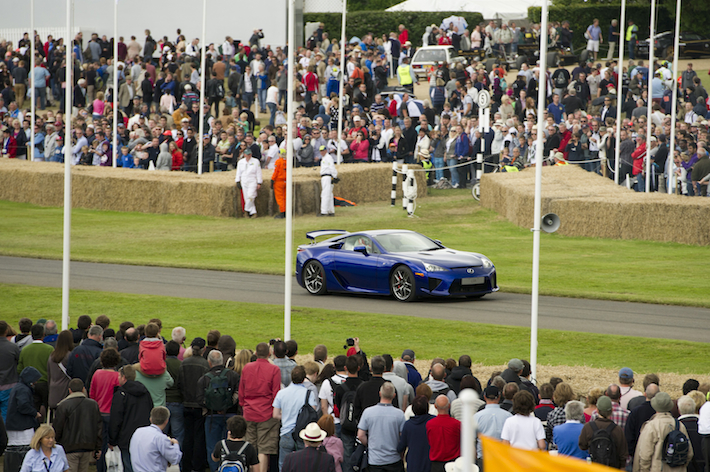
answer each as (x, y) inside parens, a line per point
(218, 395)
(435, 394)
(98, 83)
(675, 447)
(233, 461)
(151, 356)
(219, 90)
(306, 416)
(602, 449)
(348, 422)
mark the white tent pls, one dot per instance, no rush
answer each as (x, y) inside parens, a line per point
(508, 10)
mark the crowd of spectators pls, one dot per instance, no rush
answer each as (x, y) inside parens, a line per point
(98, 388)
(159, 107)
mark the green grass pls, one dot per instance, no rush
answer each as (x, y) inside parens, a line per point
(626, 270)
(252, 323)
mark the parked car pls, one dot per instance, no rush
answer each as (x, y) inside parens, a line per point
(400, 263)
(429, 56)
(690, 45)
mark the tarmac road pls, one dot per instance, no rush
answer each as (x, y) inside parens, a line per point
(570, 314)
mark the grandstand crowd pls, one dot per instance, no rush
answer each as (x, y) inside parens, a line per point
(73, 397)
(245, 101)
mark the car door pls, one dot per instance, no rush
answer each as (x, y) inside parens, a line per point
(695, 45)
(357, 271)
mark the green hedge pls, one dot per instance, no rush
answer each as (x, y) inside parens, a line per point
(581, 16)
(359, 23)
(371, 5)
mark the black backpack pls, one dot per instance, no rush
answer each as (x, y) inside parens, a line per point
(348, 421)
(218, 395)
(219, 90)
(434, 395)
(675, 447)
(306, 416)
(602, 449)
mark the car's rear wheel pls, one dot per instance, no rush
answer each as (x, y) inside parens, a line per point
(476, 191)
(314, 278)
(402, 284)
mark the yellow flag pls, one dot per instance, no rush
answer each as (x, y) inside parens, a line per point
(499, 457)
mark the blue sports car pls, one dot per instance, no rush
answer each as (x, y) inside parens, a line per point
(404, 264)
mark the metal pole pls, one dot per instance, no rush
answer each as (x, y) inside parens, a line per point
(341, 82)
(203, 66)
(115, 84)
(541, 94)
(33, 95)
(467, 429)
(674, 105)
(292, 53)
(66, 256)
(620, 89)
(649, 103)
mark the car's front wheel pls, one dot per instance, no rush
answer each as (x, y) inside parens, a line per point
(314, 278)
(402, 284)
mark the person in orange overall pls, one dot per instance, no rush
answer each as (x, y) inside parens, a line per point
(278, 183)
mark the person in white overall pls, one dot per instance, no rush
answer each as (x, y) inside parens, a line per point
(327, 173)
(249, 181)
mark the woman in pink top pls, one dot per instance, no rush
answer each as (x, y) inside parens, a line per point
(99, 106)
(360, 148)
(101, 390)
(333, 445)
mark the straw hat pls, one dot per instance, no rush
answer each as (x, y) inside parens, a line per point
(312, 433)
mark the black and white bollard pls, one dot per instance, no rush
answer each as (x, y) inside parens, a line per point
(394, 182)
(404, 185)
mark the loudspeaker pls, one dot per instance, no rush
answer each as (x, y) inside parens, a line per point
(550, 223)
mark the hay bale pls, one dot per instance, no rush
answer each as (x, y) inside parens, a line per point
(593, 206)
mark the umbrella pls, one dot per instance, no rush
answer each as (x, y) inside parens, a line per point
(458, 21)
(355, 39)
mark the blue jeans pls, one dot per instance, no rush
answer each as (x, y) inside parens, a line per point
(272, 112)
(640, 183)
(249, 98)
(41, 97)
(215, 431)
(126, 459)
(632, 49)
(262, 100)
(438, 164)
(282, 97)
(177, 421)
(348, 448)
(454, 172)
(4, 401)
(286, 446)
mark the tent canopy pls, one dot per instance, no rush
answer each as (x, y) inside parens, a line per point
(508, 10)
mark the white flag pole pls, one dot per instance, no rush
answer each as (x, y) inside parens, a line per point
(341, 82)
(541, 94)
(620, 90)
(201, 144)
(674, 105)
(292, 54)
(116, 152)
(33, 94)
(66, 256)
(649, 103)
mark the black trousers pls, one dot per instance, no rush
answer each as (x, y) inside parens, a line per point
(396, 467)
(194, 454)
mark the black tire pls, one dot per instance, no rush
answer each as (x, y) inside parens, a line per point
(402, 284)
(314, 278)
(553, 59)
(476, 191)
(583, 56)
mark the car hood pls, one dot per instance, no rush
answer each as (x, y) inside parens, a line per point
(448, 258)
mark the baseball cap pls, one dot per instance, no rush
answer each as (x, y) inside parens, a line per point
(247, 151)
(198, 342)
(604, 404)
(356, 118)
(626, 374)
(491, 392)
(408, 353)
(322, 148)
(516, 364)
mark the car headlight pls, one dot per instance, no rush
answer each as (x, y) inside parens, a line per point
(433, 268)
(487, 263)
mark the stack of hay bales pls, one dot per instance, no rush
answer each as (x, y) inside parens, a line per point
(593, 206)
(184, 193)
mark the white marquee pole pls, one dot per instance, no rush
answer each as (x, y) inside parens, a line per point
(66, 256)
(201, 143)
(541, 94)
(649, 103)
(116, 152)
(674, 105)
(342, 81)
(620, 89)
(33, 94)
(292, 54)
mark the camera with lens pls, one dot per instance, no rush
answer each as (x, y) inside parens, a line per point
(349, 343)
(272, 341)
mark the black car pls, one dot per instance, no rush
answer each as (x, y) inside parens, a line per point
(691, 45)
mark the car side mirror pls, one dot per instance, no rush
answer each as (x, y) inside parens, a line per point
(438, 242)
(361, 249)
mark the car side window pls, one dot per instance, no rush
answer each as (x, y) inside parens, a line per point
(354, 241)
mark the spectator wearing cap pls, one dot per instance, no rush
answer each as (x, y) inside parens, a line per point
(638, 416)
(490, 420)
(413, 376)
(619, 414)
(603, 421)
(191, 370)
(566, 436)
(312, 458)
(626, 386)
(444, 434)
(650, 452)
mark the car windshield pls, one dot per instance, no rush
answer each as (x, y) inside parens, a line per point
(406, 242)
(430, 55)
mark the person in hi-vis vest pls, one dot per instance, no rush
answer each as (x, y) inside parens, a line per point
(406, 76)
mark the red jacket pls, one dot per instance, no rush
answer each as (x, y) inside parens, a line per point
(403, 36)
(564, 141)
(258, 386)
(639, 156)
(310, 80)
(361, 150)
(444, 434)
(10, 147)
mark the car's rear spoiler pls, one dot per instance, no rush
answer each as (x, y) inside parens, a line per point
(312, 235)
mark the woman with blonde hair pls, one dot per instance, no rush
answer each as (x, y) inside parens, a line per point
(333, 445)
(241, 359)
(592, 398)
(45, 455)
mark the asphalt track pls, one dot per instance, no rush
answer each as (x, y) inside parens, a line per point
(570, 314)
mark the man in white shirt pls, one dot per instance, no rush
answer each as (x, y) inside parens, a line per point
(327, 173)
(151, 449)
(249, 181)
(327, 389)
(272, 154)
(81, 141)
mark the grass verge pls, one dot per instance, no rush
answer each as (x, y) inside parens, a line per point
(252, 323)
(625, 270)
